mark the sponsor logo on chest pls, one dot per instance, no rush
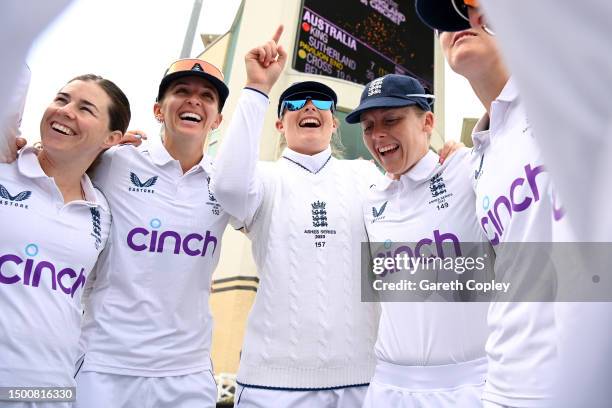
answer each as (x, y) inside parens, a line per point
(140, 186)
(377, 213)
(524, 192)
(18, 200)
(29, 271)
(158, 240)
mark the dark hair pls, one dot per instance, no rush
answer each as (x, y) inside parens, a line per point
(119, 109)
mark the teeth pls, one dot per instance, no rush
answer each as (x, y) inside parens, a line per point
(191, 116)
(62, 129)
(310, 121)
(387, 148)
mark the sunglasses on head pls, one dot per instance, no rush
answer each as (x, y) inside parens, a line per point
(193, 64)
(297, 104)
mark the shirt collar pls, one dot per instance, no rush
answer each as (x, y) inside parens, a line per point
(480, 134)
(161, 157)
(312, 163)
(509, 92)
(29, 166)
(159, 154)
(28, 163)
(422, 170)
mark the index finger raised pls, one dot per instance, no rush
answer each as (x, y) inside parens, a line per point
(278, 33)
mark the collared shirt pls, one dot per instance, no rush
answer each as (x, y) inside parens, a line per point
(428, 208)
(313, 163)
(47, 250)
(148, 313)
(514, 203)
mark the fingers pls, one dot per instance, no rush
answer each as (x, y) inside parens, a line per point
(133, 137)
(267, 53)
(282, 56)
(278, 33)
(136, 133)
(448, 149)
(20, 142)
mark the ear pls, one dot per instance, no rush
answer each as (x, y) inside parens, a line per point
(428, 124)
(112, 139)
(157, 112)
(279, 125)
(335, 123)
(217, 121)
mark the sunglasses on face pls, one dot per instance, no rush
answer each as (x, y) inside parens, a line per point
(297, 104)
(193, 64)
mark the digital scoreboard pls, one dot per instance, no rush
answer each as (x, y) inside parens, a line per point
(360, 40)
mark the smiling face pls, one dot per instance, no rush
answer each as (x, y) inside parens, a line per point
(397, 137)
(189, 108)
(308, 130)
(77, 121)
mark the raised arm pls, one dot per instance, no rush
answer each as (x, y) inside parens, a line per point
(235, 183)
(11, 119)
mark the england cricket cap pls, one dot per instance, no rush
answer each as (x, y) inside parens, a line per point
(391, 91)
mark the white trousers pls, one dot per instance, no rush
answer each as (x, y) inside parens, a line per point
(102, 390)
(447, 386)
(347, 397)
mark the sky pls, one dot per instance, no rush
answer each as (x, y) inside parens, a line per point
(130, 42)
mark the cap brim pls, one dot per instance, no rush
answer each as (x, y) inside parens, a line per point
(381, 103)
(440, 15)
(219, 85)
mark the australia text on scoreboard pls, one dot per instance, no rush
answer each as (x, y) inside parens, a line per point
(359, 40)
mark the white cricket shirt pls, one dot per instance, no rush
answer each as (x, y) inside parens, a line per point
(431, 204)
(573, 123)
(148, 314)
(514, 204)
(47, 249)
(308, 328)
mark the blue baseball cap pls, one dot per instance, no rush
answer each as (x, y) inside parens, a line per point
(391, 91)
(443, 15)
(307, 89)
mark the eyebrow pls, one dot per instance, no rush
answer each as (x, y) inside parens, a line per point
(83, 101)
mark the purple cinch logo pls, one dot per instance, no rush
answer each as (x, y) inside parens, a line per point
(141, 239)
(425, 244)
(68, 280)
(492, 222)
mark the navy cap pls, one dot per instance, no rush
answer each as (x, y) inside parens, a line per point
(303, 90)
(443, 15)
(391, 91)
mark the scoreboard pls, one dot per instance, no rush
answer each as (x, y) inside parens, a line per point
(360, 40)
